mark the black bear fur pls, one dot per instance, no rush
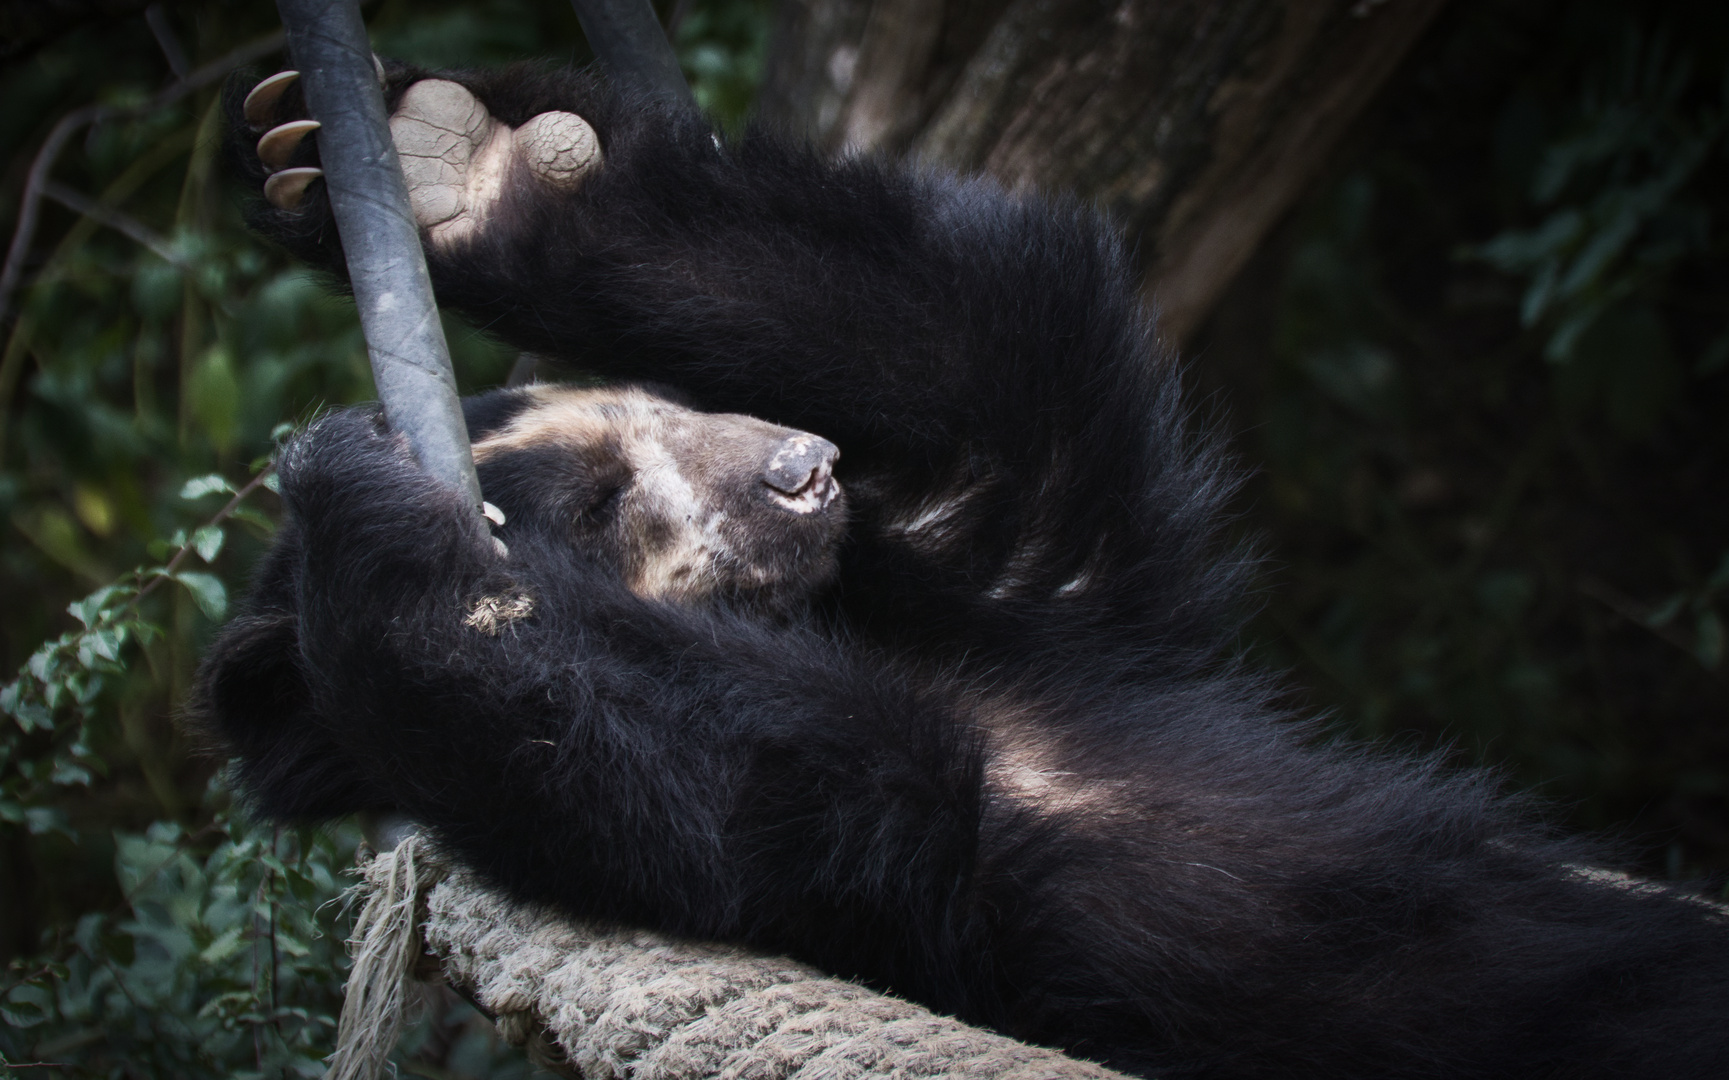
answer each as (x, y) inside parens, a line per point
(1208, 889)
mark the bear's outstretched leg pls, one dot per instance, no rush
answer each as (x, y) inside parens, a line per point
(456, 156)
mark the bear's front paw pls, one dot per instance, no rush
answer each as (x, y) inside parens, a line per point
(344, 446)
(457, 158)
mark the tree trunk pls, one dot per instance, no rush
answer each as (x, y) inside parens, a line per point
(1196, 123)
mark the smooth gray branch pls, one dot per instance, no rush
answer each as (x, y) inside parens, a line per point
(380, 239)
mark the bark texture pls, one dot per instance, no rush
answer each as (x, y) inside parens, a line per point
(1196, 123)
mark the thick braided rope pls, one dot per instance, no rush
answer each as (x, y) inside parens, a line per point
(612, 1003)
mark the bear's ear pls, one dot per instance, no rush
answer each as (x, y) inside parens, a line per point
(252, 700)
(250, 684)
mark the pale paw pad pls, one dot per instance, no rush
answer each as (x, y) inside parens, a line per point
(456, 157)
(558, 147)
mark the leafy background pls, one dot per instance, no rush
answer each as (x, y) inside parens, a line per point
(154, 360)
(1483, 378)
(1480, 380)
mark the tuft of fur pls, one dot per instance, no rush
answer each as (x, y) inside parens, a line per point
(1002, 760)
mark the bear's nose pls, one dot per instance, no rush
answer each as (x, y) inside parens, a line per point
(800, 473)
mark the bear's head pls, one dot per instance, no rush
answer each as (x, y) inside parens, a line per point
(685, 506)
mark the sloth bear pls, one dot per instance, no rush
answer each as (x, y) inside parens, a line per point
(926, 676)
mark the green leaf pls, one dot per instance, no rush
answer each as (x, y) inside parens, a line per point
(1667, 610)
(46, 819)
(207, 591)
(226, 945)
(301, 887)
(84, 691)
(254, 517)
(157, 289)
(214, 393)
(21, 1014)
(45, 662)
(67, 774)
(211, 484)
(92, 608)
(107, 641)
(207, 541)
(32, 716)
(1719, 577)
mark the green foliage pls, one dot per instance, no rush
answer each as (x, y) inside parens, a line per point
(58, 693)
(722, 48)
(1487, 421)
(1703, 607)
(218, 962)
(224, 960)
(1624, 211)
(150, 930)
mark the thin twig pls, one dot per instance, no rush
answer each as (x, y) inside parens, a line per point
(80, 203)
(126, 902)
(675, 19)
(220, 516)
(32, 977)
(257, 1029)
(30, 205)
(156, 17)
(1640, 615)
(180, 845)
(275, 971)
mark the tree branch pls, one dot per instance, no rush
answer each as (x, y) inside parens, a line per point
(1198, 124)
(30, 204)
(233, 504)
(380, 238)
(80, 203)
(627, 37)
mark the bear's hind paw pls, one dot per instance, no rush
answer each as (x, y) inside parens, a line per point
(456, 156)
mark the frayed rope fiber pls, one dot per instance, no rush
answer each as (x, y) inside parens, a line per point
(385, 945)
(604, 1003)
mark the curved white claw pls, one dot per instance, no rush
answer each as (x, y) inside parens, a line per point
(277, 145)
(260, 105)
(259, 108)
(285, 189)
